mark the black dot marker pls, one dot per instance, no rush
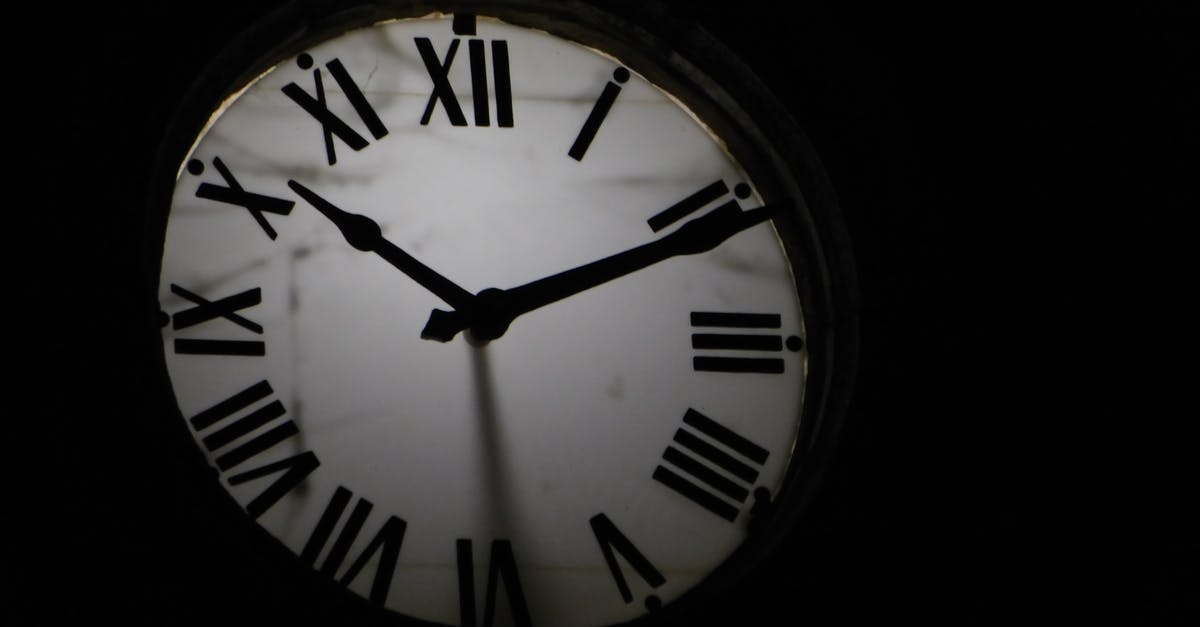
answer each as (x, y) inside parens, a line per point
(653, 603)
(620, 75)
(305, 61)
(195, 166)
(794, 343)
(741, 190)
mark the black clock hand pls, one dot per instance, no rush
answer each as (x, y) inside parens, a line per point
(495, 309)
(364, 234)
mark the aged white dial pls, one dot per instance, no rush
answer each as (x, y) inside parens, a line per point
(482, 323)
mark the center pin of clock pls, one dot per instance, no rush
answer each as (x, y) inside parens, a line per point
(490, 317)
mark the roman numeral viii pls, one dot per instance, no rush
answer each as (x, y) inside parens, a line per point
(227, 308)
(387, 542)
(317, 106)
(443, 92)
(739, 342)
(501, 567)
(234, 442)
(726, 463)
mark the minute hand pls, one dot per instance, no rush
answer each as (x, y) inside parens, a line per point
(503, 306)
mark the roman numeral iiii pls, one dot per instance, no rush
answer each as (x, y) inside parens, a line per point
(721, 464)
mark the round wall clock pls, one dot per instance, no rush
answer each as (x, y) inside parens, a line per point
(511, 312)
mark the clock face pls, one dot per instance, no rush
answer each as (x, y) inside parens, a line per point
(481, 322)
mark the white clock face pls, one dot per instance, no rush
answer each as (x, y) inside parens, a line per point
(595, 458)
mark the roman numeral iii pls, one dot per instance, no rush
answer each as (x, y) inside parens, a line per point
(226, 308)
(739, 342)
(332, 125)
(714, 466)
(227, 429)
(386, 543)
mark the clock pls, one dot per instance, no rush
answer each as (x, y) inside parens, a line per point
(502, 313)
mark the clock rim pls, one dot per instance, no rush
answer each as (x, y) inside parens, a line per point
(720, 90)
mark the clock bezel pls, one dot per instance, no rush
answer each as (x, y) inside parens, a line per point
(708, 78)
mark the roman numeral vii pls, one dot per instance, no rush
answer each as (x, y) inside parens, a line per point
(386, 543)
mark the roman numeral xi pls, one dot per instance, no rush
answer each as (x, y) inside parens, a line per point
(317, 106)
(721, 464)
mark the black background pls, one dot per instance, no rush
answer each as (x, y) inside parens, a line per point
(1012, 179)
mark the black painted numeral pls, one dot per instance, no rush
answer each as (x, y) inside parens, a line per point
(225, 308)
(229, 441)
(723, 469)
(501, 566)
(599, 112)
(443, 92)
(612, 541)
(331, 124)
(757, 342)
(706, 195)
(234, 194)
(387, 542)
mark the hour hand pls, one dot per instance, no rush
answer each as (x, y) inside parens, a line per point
(364, 234)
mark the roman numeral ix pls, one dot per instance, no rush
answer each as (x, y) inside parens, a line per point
(387, 542)
(226, 308)
(331, 124)
(758, 342)
(231, 440)
(728, 465)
